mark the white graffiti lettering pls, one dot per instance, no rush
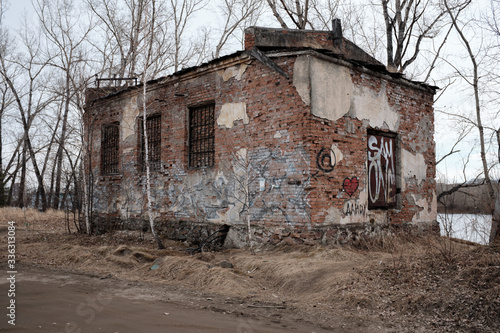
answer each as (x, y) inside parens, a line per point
(381, 169)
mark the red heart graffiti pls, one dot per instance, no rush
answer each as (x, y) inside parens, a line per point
(350, 185)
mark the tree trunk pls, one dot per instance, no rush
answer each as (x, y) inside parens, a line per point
(62, 139)
(495, 219)
(22, 182)
(148, 176)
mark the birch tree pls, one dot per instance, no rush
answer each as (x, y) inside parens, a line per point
(148, 56)
(122, 36)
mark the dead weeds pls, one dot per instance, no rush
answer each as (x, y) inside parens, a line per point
(409, 283)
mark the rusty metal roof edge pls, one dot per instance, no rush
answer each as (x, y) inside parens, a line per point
(182, 72)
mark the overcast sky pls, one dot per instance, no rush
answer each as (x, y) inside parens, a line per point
(444, 133)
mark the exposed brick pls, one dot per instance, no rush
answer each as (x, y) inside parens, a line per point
(289, 193)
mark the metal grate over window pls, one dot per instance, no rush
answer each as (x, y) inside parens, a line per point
(109, 149)
(202, 136)
(153, 130)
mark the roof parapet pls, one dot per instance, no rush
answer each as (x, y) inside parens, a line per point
(268, 39)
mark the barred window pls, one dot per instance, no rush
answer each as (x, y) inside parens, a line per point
(202, 136)
(153, 129)
(109, 149)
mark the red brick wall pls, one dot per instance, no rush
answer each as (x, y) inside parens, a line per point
(290, 195)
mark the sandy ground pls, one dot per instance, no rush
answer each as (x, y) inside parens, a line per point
(400, 284)
(53, 300)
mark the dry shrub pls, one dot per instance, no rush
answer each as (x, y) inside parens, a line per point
(50, 221)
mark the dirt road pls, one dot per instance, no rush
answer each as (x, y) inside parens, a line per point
(49, 300)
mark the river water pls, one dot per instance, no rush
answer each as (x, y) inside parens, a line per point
(471, 227)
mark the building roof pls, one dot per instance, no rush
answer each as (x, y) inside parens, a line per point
(265, 43)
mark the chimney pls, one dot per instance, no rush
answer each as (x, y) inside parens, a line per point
(337, 32)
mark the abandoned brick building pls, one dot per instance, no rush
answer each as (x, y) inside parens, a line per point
(302, 136)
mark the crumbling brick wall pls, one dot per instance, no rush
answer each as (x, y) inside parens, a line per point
(289, 157)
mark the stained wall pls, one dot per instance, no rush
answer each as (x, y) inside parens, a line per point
(292, 154)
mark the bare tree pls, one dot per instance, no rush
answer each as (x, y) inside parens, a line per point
(294, 11)
(65, 39)
(182, 14)
(148, 56)
(237, 15)
(26, 82)
(473, 80)
(122, 36)
(407, 24)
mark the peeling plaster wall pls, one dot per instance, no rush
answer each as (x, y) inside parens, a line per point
(413, 166)
(232, 112)
(330, 91)
(290, 154)
(344, 104)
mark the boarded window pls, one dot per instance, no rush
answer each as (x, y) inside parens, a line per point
(153, 130)
(202, 136)
(381, 170)
(109, 149)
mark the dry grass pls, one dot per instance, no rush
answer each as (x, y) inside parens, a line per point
(31, 219)
(434, 281)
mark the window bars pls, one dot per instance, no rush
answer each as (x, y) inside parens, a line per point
(109, 149)
(153, 129)
(202, 136)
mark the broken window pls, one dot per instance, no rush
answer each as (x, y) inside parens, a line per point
(202, 136)
(381, 170)
(109, 149)
(153, 130)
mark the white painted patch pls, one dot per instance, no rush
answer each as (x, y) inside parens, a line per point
(129, 118)
(277, 135)
(429, 212)
(234, 71)
(356, 210)
(412, 166)
(333, 216)
(301, 79)
(331, 89)
(262, 184)
(242, 153)
(337, 155)
(231, 112)
(368, 104)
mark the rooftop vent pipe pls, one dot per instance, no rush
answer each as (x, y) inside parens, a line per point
(337, 31)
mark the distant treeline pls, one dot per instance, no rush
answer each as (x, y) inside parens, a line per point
(469, 198)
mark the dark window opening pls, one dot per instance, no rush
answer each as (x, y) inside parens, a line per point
(109, 149)
(202, 136)
(381, 170)
(153, 130)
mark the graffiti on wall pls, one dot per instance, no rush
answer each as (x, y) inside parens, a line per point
(381, 171)
(350, 185)
(326, 160)
(353, 208)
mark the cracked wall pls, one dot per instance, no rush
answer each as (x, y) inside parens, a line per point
(291, 155)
